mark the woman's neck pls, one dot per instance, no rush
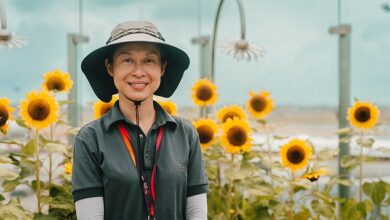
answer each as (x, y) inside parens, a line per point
(146, 112)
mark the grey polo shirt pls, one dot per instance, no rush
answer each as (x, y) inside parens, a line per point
(103, 167)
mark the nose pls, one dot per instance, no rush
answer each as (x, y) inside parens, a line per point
(138, 70)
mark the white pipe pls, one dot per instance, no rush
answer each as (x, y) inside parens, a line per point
(3, 16)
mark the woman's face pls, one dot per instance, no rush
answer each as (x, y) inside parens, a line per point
(136, 69)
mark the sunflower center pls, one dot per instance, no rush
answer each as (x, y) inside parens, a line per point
(237, 136)
(295, 154)
(258, 103)
(55, 83)
(230, 115)
(38, 109)
(204, 93)
(363, 114)
(105, 108)
(205, 134)
(3, 115)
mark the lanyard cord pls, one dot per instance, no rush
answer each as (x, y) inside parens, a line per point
(148, 187)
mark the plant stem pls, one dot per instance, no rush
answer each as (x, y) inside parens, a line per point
(269, 154)
(290, 196)
(230, 188)
(50, 156)
(361, 167)
(37, 169)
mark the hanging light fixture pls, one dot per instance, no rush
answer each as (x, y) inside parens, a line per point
(8, 39)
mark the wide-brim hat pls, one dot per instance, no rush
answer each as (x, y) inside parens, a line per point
(134, 31)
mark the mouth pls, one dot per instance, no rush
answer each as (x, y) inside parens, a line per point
(138, 85)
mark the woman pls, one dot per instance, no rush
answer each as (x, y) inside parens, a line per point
(137, 161)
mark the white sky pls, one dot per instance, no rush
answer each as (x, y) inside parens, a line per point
(300, 66)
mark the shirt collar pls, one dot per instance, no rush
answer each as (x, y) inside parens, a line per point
(115, 115)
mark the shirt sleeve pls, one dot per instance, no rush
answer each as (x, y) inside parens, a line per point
(86, 172)
(196, 207)
(197, 177)
(90, 209)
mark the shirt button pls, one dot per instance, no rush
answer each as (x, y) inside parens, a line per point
(147, 154)
(141, 136)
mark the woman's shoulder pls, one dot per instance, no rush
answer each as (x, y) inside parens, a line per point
(92, 128)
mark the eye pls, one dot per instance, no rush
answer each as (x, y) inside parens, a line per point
(127, 60)
(150, 61)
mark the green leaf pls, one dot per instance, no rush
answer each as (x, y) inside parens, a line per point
(2, 198)
(29, 148)
(327, 154)
(323, 197)
(364, 207)
(322, 208)
(7, 174)
(376, 191)
(262, 121)
(21, 123)
(346, 130)
(303, 214)
(26, 171)
(9, 141)
(5, 159)
(345, 182)
(34, 185)
(13, 210)
(53, 147)
(349, 162)
(10, 185)
(367, 143)
(302, 182)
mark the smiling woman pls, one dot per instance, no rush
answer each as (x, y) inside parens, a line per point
(115, 162)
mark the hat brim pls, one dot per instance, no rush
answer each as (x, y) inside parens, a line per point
(103, 84)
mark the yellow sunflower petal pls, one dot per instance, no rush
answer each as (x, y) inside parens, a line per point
(57, 81)
(236, 136)
(5, 114)
(295, 154)
(231, 112)
(207, 130)
(363, 115)
(260, 104)
(169, 106)
(68, 168)
(39, 110)
(204, 93)
(100, 108)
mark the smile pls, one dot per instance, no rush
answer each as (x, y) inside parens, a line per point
(138, 85)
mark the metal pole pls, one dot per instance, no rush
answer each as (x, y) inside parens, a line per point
(213, 43)
(74, 109)
(344, 98)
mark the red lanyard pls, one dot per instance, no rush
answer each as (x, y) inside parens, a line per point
(149, 195)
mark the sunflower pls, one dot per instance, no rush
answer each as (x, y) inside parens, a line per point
(100, 108)
(57, 81)
(315, 175)
(363, 115)
(204, 92)
(168, 106)
(231, 112)
(39, 110)
(5, 114)
(260, 104)
(235, 137)
(68, 168)
(295, 154)
(207, 129)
